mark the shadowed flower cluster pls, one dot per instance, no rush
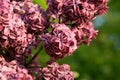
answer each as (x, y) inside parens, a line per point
(13, 71)
(84, 34)
(54, 71)
(35, 18)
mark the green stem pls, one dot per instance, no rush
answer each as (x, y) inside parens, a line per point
(59, 19)
(33, 58)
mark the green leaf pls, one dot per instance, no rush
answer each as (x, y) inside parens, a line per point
(76, 74)
(42, 3)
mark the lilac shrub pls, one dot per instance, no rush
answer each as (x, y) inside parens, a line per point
(60, 29)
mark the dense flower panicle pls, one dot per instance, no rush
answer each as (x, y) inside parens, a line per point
(60, 42)
(54, 71)
(35, 18)
(13, 35)
(100, 6)
(13, 71)
(79, 11)
(85, 34)
(19, 23)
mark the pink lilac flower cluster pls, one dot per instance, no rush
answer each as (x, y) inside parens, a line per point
(75, 16)
(79, 11)
(54, 71)
(61, 29)
(13, 71)
(19, 23)
(85, 33)
(60, 42)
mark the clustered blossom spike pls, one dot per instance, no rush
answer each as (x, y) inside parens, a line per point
(79, 11)
(19, 23)
(35, 18)
(60, 42)
(62, 28)
(84, 34)
(13, 71)
(54, 71)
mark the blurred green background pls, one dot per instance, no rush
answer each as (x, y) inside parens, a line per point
(100, 60)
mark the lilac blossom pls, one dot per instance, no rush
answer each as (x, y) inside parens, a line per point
(60, 42)
(15, 28)
(13, 35)
(85, 33)
(35, 18)
(13, 71)
(54, 71)
(78, 11)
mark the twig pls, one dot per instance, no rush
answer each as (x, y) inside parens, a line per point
(33, 58)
